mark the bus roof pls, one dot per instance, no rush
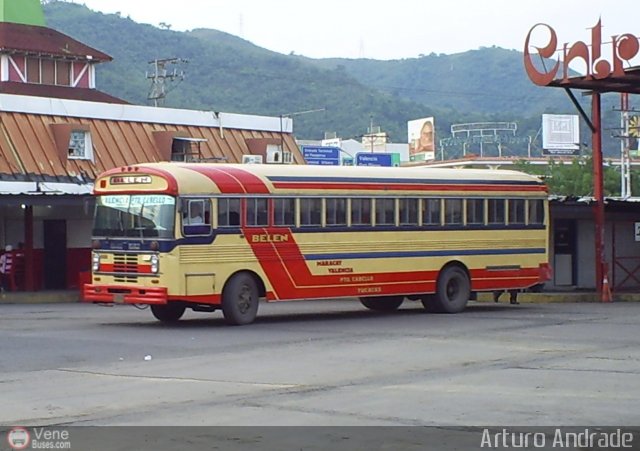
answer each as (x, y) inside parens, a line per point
(211, 178)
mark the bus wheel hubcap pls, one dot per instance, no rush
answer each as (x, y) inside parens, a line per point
(244, 299)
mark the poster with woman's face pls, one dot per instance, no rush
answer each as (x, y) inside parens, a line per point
(422, 138)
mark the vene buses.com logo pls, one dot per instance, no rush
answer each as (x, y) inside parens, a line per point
(18, 438)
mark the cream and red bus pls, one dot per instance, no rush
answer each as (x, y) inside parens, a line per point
(222, 236)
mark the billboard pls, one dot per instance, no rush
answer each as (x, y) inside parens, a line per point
(422, 139)
(560, 134)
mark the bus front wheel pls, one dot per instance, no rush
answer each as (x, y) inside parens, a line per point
(169, 313)
(382, 303)
(452, 293)
(240, 300)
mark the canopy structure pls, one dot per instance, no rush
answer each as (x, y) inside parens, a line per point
(604, 73)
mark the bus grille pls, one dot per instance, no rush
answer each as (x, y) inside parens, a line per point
(125, 266)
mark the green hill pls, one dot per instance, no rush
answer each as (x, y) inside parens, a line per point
(227, 73)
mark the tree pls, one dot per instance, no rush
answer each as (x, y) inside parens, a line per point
(576, 178)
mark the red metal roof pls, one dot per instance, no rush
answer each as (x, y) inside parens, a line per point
(45, 41)
(31, 147)
(59, 92)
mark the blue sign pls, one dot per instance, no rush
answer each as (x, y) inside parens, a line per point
(321, 155)
(374, 159)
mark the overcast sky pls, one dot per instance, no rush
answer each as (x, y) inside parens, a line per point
(383, 29)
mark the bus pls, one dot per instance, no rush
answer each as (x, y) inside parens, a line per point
(207, 237)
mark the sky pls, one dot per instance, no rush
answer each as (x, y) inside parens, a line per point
(381, 29)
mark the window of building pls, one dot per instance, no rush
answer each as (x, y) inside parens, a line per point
(516, 211)
(310, 211)
(360, 211)
(63, 73)
(80, 145)
(228, 212)
(257, 212)
(453, 211)
(33, 70)
(186, 149)
(408, 211)
(475, 211)
(284, 212)
(495, 211)
(385, 211)
(47, 72)
(336, 212)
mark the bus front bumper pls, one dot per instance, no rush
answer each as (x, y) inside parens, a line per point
(122, 294)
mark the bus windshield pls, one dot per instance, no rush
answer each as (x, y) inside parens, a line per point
(135, 215)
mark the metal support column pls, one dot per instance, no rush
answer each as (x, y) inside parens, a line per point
(29, 275)
(598, 192)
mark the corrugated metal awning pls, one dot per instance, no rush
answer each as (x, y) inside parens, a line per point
(44, 188)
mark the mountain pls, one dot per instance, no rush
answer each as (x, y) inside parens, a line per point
(227, 73)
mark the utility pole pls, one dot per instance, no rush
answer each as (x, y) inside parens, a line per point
(163, 81)
(625, 163)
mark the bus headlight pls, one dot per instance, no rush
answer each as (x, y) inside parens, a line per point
(155, 264)
(95, 262)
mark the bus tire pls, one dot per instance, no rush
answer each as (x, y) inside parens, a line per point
(240, 300)
(429, 302)
(452, 293)
(169, 313)
(383, 303)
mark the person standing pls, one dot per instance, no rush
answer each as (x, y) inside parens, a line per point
(6, 266)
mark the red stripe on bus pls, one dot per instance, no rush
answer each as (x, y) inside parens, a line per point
(137, 269)
(407, 187)
(251, 182)
(226, 183)
(291, 278)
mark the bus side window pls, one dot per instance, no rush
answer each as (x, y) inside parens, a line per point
(431, 212)
(336, 212)
(496, 211)
(453, 211)
(284, 212)
(228, 212)
(475, 212)
(516, 211)
(257, 212)
(196, 216)
(536, 212)
(310, 211)
(385, 211)
(360, 211)
(408, 212)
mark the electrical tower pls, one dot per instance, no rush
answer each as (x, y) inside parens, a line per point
(163, 80)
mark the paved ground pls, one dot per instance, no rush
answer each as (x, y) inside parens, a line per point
(322, 363)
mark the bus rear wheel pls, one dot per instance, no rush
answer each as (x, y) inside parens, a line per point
(240, 300)
(452, 294)
(169, 313)
(382, 303)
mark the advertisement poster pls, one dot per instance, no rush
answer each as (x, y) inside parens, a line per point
(422, 136)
